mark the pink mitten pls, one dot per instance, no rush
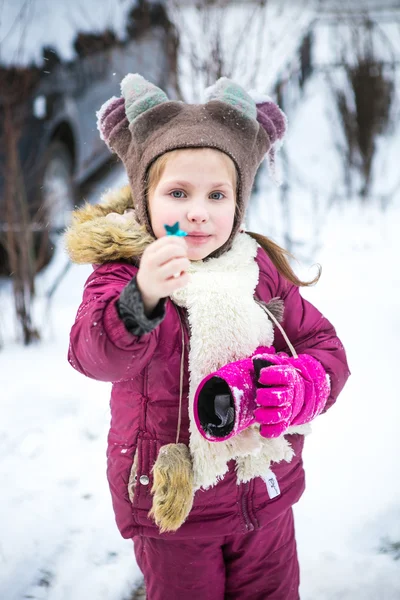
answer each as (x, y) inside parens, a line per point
(291, 391)
(225, 400)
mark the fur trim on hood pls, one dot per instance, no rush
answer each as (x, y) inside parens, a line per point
(94, 239)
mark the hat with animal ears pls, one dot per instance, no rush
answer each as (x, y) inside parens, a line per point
(143, 124)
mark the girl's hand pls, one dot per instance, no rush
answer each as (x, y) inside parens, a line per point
(163, 269)
(291, 391)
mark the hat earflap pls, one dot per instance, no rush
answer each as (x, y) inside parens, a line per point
(231, 93)
(140, 95)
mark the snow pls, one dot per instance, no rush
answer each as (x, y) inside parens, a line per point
(58, 536)
(352, 502)
(56, 516)
(26, 26)
(353, 498)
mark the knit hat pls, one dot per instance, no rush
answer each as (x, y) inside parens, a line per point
(143, 124)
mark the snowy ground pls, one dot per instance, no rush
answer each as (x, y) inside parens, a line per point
(352, 504)
(58, 540)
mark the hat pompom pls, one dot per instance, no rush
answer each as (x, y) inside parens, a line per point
(172, 490)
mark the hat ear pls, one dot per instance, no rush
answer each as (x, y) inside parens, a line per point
(113, 125)
(272, 119)
(140, 95)
(231, 93)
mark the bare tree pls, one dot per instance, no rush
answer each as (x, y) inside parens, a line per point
(24, 237)
(232, 39)
(17, 231)
(364, 98)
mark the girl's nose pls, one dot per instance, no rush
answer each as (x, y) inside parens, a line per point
(197, 215)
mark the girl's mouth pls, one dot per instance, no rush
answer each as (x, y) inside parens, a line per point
(197, 238)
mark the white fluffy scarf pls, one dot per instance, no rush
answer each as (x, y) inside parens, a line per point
(227, 325)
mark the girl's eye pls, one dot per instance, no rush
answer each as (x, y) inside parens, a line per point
(177, 194)
(216, 196)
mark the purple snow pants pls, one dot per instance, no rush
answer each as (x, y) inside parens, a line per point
(260, 565)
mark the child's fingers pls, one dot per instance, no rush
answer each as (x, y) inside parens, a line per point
(165, 242)
(172, 267)
(166, 254)
(276, 375)
(175, 283)
(274, 397)
(158, 254)
(272, 416)
(273, 431)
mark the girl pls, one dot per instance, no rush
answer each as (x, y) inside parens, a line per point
(211, 517)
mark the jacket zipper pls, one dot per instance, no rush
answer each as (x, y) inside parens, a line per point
(143, 415)
(145, 386)
(245, 510)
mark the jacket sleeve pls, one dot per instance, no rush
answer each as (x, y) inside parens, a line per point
(307, 329)
(102, 345)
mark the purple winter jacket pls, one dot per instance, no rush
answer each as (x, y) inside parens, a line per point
(145, 399)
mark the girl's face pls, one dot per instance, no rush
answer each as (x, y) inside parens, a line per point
(198, 189)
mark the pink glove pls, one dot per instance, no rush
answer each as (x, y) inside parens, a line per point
(291, 391)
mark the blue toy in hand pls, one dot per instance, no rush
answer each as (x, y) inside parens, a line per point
(174, 230)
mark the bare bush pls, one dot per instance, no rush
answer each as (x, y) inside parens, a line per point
(365, 106)
(232, 39)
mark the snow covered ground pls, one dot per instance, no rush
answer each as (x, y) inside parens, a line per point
(58, 540)
(351, 508)
(352, 505)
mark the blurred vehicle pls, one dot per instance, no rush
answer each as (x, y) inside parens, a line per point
(48, 105)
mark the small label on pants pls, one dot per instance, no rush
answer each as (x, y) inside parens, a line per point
(272, 485)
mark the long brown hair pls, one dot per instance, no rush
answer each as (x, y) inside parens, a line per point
(279, 256)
